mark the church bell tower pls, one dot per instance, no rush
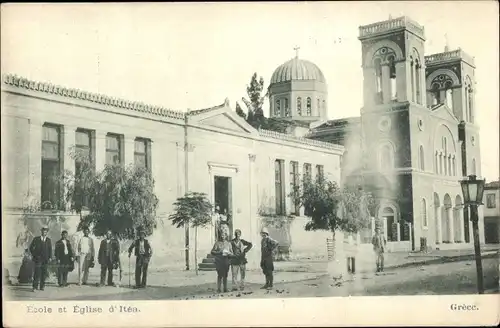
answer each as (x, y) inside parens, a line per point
(393, 63)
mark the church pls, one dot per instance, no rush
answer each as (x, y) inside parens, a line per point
(415, 138)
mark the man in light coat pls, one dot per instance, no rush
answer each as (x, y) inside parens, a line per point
(86, 256)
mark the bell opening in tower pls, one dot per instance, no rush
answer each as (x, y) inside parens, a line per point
(392, 74)
(378, 78)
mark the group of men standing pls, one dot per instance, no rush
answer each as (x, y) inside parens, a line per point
(65, 256)
(232, 254)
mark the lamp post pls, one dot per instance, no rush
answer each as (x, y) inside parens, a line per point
(472, 190)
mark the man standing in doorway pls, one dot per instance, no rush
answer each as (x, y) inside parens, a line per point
(41, 252)
(239, 261)
(379, 244)
(64, 255)
(109, 253)
(267, 247)
(86, 255)
(143, 253)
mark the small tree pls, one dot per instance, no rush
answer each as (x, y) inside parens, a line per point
(255, 101)
(195, 210)
(333, 209)
(240, 111)
(121, 199)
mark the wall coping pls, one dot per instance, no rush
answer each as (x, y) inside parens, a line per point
(122, 104)
(292, 138)
(126, 107)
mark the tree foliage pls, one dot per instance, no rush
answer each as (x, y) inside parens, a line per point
(120, 199)
(332, 208)
(276, 124)
(255, 102)
(193, 209)
(240, 111)
(78, 184)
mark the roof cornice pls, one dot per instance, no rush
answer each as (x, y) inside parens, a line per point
(51, 89)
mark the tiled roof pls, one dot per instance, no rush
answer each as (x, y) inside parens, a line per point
(49, 88)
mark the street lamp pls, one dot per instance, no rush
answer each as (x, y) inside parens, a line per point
(472, 190)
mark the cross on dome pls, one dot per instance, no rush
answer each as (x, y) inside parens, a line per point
(296, 51)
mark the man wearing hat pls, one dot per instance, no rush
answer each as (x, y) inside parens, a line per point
(109, 257)
(41, 252)
(86, 256)
(143, 252)
(267, 247)
(379, 243)
(239, 261)
(63, 253)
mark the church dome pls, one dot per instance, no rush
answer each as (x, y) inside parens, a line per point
(297, 69)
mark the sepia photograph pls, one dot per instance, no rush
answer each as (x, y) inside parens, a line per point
(242, 151)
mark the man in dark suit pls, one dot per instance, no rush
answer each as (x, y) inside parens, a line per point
(109, 257)
(64, 255)
(143, 252)
(41, 252)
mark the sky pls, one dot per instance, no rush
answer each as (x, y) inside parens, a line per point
(191, 56)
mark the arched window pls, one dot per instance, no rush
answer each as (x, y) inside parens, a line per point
(450, 172)
(449, 96)
(473, 169)
(467, 115)
(436, 164)
(441, 163)
(436, 95)
(277, 108)
(454, 166)
(471, 109)
(421, 158)
(299, 105)
(378, 81)
(287, 108)
(412, 70)
(417, 81)
(386, 157)
(390, 216)
(424, 212)
(308, 108)
(392, 75)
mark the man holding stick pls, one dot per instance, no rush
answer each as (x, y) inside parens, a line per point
(143, 252)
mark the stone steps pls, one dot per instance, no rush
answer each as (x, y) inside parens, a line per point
(207, 264)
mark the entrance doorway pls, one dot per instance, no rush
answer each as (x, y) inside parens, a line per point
(223, 199)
